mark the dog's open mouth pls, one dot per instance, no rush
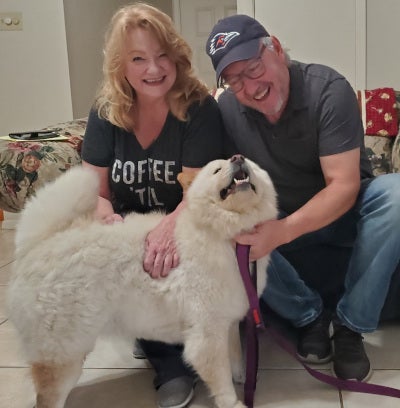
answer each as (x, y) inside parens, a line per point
(240, 182)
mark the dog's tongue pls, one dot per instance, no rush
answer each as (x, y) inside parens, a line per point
(240, 175)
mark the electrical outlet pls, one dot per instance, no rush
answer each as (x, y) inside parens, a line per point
(11, 21)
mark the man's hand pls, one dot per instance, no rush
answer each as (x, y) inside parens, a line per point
(263, 238)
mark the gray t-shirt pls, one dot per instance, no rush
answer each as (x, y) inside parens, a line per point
(321, 118)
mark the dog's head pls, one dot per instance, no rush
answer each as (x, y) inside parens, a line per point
(233, 194)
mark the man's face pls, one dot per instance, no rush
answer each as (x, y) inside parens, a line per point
(268, 92)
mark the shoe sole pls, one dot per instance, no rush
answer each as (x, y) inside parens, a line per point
(182, 404)
(314, 359)
(139, 356)
(365, 379)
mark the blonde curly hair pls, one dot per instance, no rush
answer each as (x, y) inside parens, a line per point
(116, 98)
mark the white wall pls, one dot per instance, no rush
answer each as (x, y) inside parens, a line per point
(34, 78)
(383, 44)
(86, 22)
(307, 23)
(320, 31)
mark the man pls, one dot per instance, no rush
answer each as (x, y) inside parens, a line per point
(301, 123)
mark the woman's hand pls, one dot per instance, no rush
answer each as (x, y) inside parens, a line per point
(105, 212)
(161, 254)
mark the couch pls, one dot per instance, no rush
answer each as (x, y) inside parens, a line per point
(26, 166)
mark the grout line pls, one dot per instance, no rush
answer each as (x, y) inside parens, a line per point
(8, 263)
(341, 399)
(14, 367)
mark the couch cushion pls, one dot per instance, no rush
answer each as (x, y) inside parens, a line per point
(378, 110)
(396, 154)
(26, 166)
(379, 152)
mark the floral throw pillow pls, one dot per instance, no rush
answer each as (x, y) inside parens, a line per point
(378, 109)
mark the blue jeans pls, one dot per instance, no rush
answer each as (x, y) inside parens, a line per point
(372, 229)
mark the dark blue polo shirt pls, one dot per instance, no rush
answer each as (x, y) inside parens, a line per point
(321, 118)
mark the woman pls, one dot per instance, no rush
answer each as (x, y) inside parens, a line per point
(151, 120)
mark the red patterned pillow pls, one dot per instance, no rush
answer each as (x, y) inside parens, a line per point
(378, 108)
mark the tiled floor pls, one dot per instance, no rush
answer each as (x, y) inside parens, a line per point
(113, 379)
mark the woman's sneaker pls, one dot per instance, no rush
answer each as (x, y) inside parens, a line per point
(350, 361)
(314, 342)
(176, 393)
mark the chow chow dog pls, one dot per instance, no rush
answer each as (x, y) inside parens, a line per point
(75, 278)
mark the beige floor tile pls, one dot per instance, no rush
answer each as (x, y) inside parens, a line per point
(106, 354)
(293, 388)
(99, 388)
(3, 314)
(6, 246)
(389, 378)
(16, 388)
(383, 347)
(11, 354)
(113, 388)
(5, 273)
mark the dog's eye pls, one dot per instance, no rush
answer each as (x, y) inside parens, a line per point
(217, 170)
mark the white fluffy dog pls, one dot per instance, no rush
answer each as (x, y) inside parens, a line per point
(75, 278)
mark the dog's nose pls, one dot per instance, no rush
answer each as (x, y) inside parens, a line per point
(237, 158)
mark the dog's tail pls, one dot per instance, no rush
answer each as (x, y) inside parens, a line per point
(57, 205)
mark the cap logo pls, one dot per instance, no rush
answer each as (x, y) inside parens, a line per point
(221, 40)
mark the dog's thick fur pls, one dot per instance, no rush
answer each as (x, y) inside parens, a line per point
(75, 278)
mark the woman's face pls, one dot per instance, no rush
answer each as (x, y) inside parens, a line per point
(148, 68)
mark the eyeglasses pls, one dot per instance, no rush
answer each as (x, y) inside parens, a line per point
(253, 70)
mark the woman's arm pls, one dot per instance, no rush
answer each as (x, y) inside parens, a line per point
(104, 211)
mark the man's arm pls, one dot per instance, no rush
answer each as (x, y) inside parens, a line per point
(342, 176)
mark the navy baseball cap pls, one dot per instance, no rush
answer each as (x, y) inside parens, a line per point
(234, 38)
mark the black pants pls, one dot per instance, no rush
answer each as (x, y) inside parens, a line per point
(167, 361)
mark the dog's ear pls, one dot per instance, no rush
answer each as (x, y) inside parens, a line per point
(185, 179)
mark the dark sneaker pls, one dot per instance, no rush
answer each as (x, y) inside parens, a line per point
(350, 361)
(314, 343)
(176, 393)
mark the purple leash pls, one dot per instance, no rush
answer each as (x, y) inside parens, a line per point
(253, 322)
